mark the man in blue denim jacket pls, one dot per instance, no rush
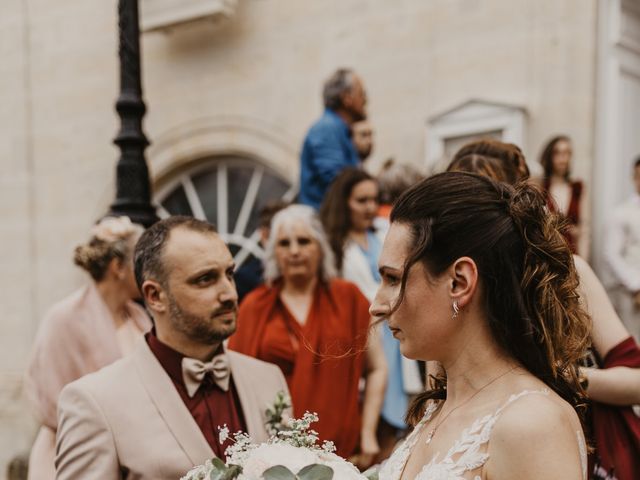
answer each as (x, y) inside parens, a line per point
(328, 148)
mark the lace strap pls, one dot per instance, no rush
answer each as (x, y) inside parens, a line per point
(517, 396)
(579, 436)
(478, 434)
(464, 456)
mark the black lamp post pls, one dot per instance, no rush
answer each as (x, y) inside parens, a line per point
(133, 188)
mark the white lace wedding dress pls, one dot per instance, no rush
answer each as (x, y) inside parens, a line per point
(465, 458)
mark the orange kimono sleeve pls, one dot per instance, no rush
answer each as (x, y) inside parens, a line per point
(251, 321)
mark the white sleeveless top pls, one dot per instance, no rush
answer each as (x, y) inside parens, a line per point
(467, 453)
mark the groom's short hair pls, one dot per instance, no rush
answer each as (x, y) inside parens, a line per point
(147, 258)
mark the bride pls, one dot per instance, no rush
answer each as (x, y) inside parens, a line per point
(476, 276)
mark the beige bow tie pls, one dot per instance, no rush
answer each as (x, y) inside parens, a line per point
(193, 372)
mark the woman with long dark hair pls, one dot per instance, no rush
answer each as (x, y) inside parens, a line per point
(566, 195)
(476, 276)
(348, 214)
(611, 373)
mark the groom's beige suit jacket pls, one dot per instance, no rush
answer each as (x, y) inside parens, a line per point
(127, 421)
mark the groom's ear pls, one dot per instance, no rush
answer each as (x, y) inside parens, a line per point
(464, 280)
(155, 298)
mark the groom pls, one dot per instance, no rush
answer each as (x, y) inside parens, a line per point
(154, 414)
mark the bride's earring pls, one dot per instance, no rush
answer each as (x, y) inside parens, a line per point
(456, 310)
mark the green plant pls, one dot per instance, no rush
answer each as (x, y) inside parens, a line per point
(310, 472)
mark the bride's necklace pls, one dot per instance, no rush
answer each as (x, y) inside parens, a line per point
(432, 432)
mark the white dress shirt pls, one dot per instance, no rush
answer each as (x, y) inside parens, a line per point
(622, 244)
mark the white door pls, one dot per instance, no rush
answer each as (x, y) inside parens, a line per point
(617, 112)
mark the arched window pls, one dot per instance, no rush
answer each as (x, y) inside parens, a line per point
(228, 192)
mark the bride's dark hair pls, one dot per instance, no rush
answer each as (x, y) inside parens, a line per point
(524, 264)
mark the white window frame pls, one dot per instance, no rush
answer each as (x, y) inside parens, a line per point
(248, 245)
(473, 117)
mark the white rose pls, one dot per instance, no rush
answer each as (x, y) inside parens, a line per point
(342, 470)
(199, 472)
(267, 456)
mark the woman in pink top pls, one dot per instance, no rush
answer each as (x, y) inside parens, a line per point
(85, 331)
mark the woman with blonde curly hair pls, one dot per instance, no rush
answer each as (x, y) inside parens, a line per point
(86, 331)
(477, 276)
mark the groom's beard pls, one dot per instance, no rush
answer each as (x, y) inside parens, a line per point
(203, 329)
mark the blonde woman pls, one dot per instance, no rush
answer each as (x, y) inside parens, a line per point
(85, 331)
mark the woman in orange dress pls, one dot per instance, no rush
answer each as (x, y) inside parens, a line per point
(316, 329)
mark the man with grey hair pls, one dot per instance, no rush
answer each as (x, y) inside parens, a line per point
(328, 148)
(155, 413)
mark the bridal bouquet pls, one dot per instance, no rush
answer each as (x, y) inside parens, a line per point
(291, 453)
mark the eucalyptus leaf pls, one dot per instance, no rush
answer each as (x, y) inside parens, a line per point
(217, 474)
(219, 464)
(316, 472)
(232, 472)
(278, 473)
(372, 473)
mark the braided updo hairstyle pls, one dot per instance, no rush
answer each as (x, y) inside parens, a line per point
(526, 268)
(111, 237)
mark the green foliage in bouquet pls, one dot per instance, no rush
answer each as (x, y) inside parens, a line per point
(372, 473)
(285, 432)
(310, 472)
(275, 414)
(222, 472)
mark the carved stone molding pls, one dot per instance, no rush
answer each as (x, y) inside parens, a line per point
(168, 14)
(217, 135)
(630, 26)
